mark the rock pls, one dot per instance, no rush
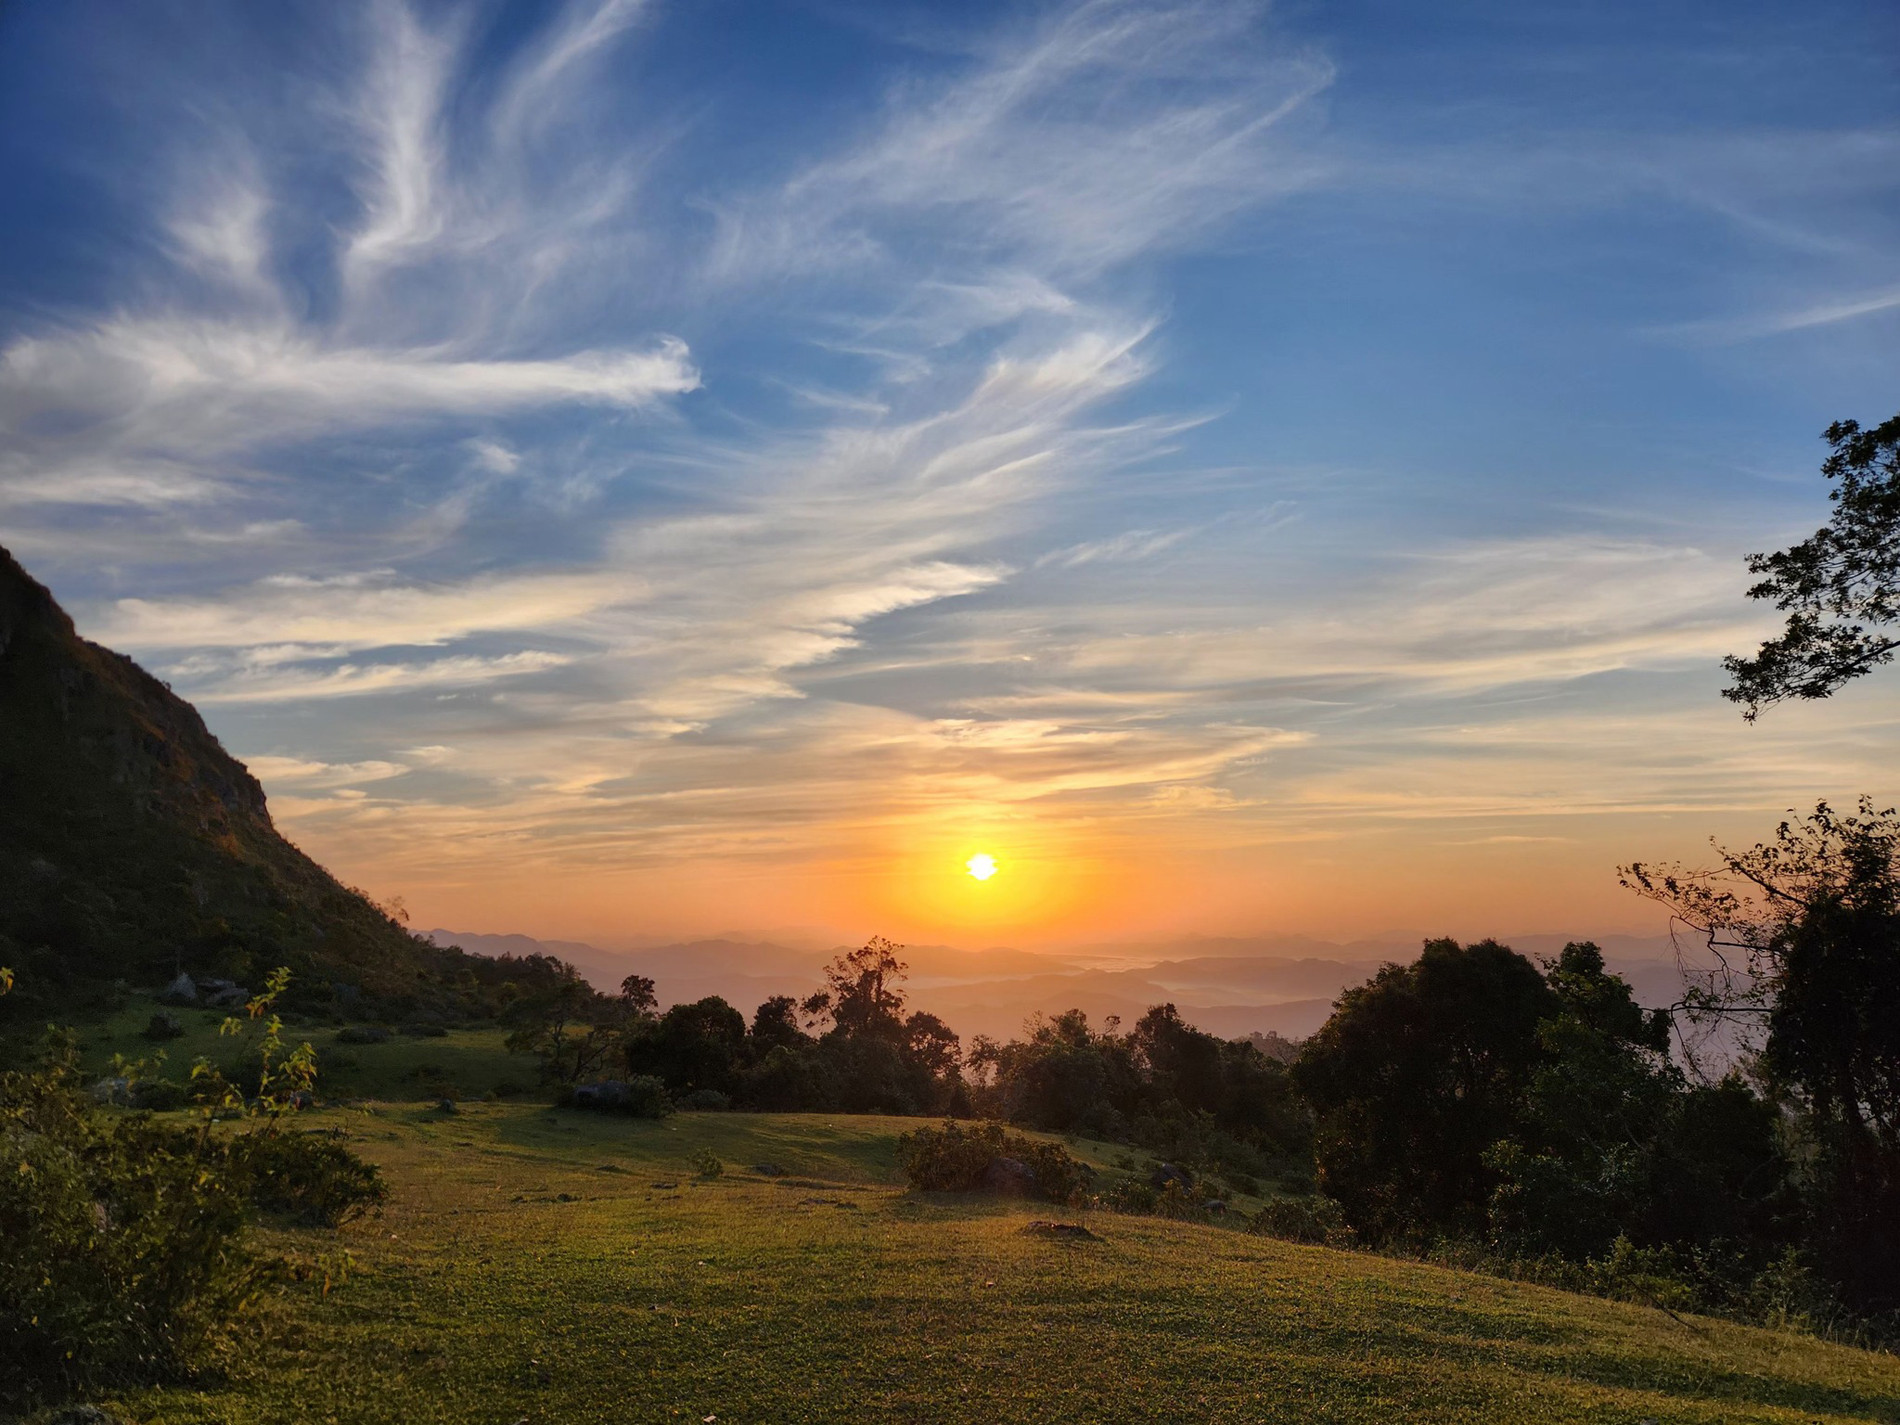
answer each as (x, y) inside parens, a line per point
(180, 991)
(1067, 1231)
(362, 1034)
(1165, 1173)
(445, 1105)
(113, 1089)
(610, 1094)
(1219, 1209)
(222, 994)
(163, 1025)
(768, 1170)
(1009, 1177)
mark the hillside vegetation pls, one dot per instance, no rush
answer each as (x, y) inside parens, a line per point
(133, 846)
(540, 1265)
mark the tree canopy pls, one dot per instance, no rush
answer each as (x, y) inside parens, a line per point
(1839, 586)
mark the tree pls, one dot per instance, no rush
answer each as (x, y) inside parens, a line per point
(861, 994)
(1834, 584)
(1418, 1073)
(574, 1029)
(1805, 931)
(692, 1046)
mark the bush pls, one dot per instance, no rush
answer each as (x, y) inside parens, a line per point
(706, 1101)
(1130, 1195)
(306, 1176)
(125, 1256)
(159, 1095)
(957, 1158)
(707, 1164)
(1304, 1219)
(362, 1034)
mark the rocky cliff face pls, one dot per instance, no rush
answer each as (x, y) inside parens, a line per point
(133, 846)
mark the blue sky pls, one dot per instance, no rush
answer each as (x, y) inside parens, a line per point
(624, 467)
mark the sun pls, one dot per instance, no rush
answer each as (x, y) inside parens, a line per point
(982, 866)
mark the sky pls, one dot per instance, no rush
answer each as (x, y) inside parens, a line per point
(653, 469)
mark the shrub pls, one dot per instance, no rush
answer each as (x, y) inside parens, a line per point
(706, 1163)
(125, 1255)
(706, 1101)
(124, 1237)
(159, 1095)
(1129, 1195)
(362, 1034)
(956, 1158)
(1304, 1219)
(306, 1176)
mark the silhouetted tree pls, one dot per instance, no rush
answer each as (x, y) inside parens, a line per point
(1416, 1076)
(692, 1046)
(1805, 931)
(1835, 583)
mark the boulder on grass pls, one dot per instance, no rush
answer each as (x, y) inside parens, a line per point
(1009, 1177)
(183, 990)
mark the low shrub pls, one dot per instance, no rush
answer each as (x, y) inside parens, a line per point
(159, 1095)
(707, 1164)
(1304, 1219)
(125, 1256)
(362, 1034)
(306, 1176)
(706, 1101)
(1129, 1195)
(961, 1158)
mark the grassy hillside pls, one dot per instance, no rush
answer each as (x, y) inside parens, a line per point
(459, 1063)
(544, 1266)
(132, 845)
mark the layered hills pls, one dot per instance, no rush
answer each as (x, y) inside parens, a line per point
(133, 846)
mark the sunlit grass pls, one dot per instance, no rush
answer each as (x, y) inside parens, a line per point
(552, 1267)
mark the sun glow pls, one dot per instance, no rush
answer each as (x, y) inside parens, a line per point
(982, 866)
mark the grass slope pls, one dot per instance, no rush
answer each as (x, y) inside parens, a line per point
(544, 1266)
(462, 1063)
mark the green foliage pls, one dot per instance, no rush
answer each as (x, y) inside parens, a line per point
(957, 1157)
(1304, 1219)
(1166, 1086)
(125, 1254)
(708, 1163)
(1806, 935)
(1835, 583)
(1413, 1079)
(307, 1177)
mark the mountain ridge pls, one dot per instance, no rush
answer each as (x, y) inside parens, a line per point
(134, 846)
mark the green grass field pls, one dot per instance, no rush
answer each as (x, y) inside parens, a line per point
(546, 1266)
(464, 1063)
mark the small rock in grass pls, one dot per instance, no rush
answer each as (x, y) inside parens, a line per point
(1065, 1231)
(768, 1170)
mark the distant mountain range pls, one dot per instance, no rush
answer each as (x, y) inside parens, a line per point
(1230, 987)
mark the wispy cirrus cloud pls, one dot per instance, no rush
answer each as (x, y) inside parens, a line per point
(931, 520)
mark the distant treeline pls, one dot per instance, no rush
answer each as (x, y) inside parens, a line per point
(1471, 1102)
